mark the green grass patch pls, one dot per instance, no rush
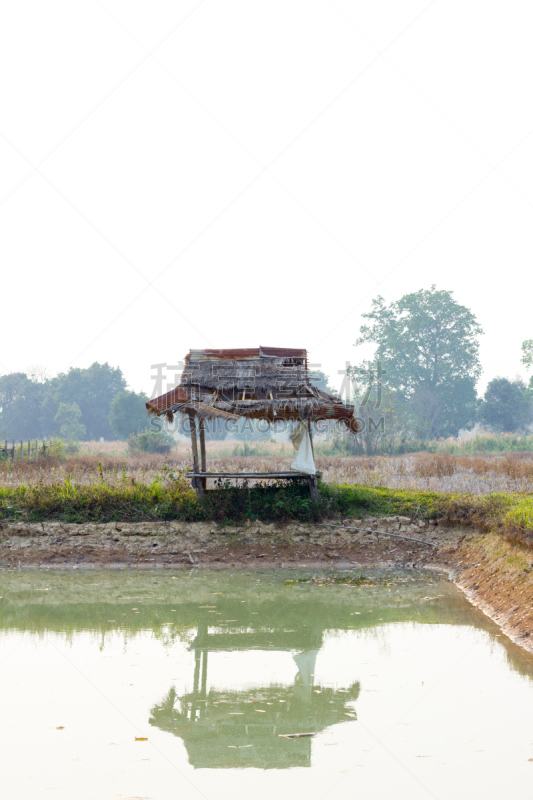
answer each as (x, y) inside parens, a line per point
(510, 515)
(482, 444)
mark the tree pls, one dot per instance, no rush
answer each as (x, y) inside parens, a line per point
(24, 413)
(127, 414)
(38, 373)
(321, 381)
(506, 406)
(427, 352)
(11, 393)
(527, 358)
(527, 353)
(93, 389)
(68, 418)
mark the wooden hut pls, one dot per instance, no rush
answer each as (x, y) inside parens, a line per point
(265, 383)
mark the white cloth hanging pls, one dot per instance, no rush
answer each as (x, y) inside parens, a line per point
(301, 441)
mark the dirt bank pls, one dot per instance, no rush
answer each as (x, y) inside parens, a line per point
(495, 575)
(175, 544)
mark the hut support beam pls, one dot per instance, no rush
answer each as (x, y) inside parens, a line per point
(203, 459)
(197, 482)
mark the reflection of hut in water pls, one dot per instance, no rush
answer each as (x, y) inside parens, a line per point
(242, 728)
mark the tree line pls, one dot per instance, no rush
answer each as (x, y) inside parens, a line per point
(420, 383)
(88, 404)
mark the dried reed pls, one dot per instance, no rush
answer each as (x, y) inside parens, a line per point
(440, 472)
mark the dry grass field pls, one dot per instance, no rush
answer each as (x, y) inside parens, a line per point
(442, 472)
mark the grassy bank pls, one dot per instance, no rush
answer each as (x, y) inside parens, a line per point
(510, 515)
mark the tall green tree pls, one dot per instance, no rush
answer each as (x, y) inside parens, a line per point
(127, 414)
(506, 406)
(93, 389)
(427, 347)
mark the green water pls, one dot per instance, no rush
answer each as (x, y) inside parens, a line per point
(409, 691)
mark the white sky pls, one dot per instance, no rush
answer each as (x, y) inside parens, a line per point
(196, 173)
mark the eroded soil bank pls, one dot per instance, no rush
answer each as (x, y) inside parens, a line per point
(203, 543)
(495, 575)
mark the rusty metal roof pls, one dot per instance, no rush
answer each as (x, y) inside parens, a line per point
(261, 383)
(246, 353)
(165, 401)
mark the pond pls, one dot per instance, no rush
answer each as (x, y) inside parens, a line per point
(137, 684)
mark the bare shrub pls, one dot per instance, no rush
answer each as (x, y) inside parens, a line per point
(436, 465)
(517, 467)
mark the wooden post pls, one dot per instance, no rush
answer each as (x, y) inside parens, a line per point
(194, 443)
(195, 681)
(204, 674)
(29, 451)
(13, 451)
(21, 449)
(203, 459)
(36, 450)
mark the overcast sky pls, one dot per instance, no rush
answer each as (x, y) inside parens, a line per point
(192, 174)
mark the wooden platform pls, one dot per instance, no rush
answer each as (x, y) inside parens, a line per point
(199, 479)
(270, 475)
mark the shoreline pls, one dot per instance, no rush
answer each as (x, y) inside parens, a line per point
(495, 575)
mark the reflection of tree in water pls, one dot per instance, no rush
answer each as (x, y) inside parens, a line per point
(224, 729)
